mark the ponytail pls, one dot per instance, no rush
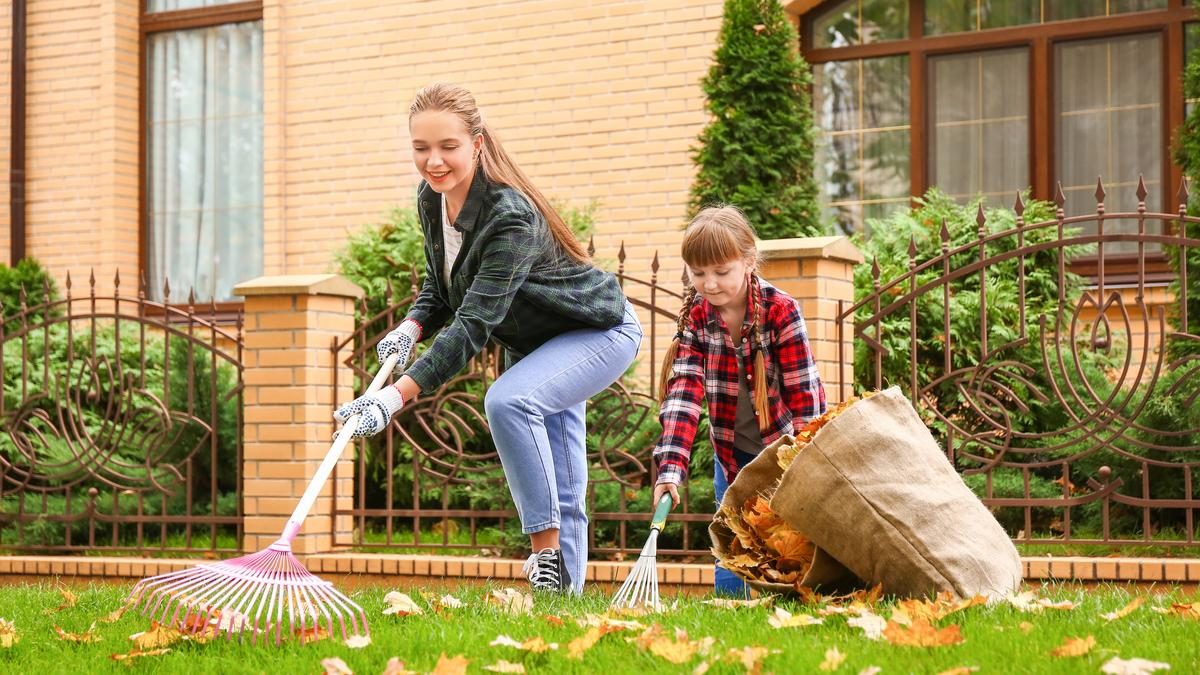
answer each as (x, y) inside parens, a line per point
(668, 364)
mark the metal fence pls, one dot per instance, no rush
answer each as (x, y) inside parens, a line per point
(120, 424)
(1067, 403)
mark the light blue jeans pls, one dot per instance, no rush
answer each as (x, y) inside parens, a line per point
(536, 412)
(724, 581)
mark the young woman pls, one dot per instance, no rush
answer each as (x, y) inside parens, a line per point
(502, 265)
(741, 345)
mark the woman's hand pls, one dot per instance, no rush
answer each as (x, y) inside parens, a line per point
(666, 488)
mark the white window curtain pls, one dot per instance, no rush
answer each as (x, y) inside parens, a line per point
(205, 159)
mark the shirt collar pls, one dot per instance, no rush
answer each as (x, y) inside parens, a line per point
(469, 215)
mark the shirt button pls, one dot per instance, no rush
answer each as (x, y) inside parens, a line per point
(425, 203)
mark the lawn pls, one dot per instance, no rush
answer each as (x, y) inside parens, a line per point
(1003, 638)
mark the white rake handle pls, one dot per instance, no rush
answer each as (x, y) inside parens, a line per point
(331, 459)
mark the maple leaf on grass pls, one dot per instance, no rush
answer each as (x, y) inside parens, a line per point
(922, 634)
(313, 633)
(732, 603)
(1135, 666)
(503, 666)
(1073, 646)
(872, 625)
(395, 666)
(88, 635)
(8, 634)
(576, 647)
(401, 604)
(115, 615)
(139, 653)
(511, 600)
(782, 618)
(357, 641)
(335, 666)
(961, 670)
(833, 659)
(69, 600)
(1187, 610)
(536, 645)
(156, 637)
(1124, 611)
(447, 665)
(750, 657)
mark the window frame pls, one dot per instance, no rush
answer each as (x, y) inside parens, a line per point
(161, 22)
(1040, 40)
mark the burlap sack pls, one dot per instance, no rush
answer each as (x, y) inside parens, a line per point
(761, 476)
(874, 490)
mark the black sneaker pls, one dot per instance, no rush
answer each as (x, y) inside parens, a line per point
(547, 572)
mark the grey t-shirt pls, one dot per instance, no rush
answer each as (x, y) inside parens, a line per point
(746, 435)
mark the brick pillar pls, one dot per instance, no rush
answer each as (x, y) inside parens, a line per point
(818, 272)
(291, 323)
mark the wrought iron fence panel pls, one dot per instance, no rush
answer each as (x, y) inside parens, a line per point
(120, 425)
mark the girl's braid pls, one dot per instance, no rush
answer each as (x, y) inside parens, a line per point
(668, 364)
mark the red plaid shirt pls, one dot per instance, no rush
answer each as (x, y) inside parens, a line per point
(706, 368)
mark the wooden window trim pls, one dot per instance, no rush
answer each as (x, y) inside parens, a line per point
(1040, 39)
(224, 313)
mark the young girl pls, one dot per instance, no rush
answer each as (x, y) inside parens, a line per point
(502, 265)
(742, 346)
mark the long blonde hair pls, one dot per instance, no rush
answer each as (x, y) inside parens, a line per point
(495, 162)
(717, 235)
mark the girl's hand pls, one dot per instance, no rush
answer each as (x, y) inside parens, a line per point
(664, 488)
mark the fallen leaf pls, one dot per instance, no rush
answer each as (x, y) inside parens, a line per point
(731, 603)
(451, 665)
(1135, 666)
(503, 666)
(1025, 601)
(535, 645)
(1124, 611)
(358, 641)
(701, 668)
(400, 604)
(88, 635)
(833, 659)
(961, 670)
(1061, 604)
(552, 620)
(870, 670)
(8, 634)
(576, 647)
(872, 625)
(785, 619)
(139, 653)
(1073, 646)
(511, 600)
(750, 657)
(335, 666)
(447, 602)
(69, 601)
(606, 620)
(922, 634)
(396, 667)
(156, 637)
(1025, 627)
(1187, 610)
(115, 615)
(313, 633)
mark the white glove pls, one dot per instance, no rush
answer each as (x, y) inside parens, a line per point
(376, 409)
(400, 340)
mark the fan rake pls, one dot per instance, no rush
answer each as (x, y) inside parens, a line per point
(640, 590)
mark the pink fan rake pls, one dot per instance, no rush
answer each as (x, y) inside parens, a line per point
(258, 593)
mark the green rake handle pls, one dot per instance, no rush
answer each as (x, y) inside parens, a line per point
(660, 513)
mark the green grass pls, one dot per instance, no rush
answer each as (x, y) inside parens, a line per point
(994, 640)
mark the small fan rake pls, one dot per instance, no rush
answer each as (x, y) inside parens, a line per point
(640, 590)
(259, 592)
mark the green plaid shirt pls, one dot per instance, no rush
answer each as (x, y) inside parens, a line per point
(511, 283)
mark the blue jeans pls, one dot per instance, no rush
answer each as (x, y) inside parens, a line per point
(724, 581)
(536, 413)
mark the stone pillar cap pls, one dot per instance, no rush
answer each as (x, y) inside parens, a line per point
(300, 284)
(837, 247)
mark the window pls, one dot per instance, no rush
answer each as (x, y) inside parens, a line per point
(956, 16)
(855, 22)
(203, 128)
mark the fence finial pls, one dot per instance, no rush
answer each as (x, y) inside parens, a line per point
(1100, 194)
(1060, 200)
(1019, 208)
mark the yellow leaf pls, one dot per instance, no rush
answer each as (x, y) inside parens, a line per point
(357, 641)
(400, 604)
(922, 634)
(451, 666)
(961, 670)
(535, 644)
(1061, 604)
(833, 659)
(1124, 611)
(138, 653)
(731, 603)
(581, 644)
(335, 666)
(606, 620)
(1119, 666)
(115, 615)
(88, 635)
(448, 602)
(785, 619)
(1025, 601)
(1025, 627)
(1187, 610)
(1074, 647)
(313, 633)
(511, 600)
(8, 634)
(158, 636)
(503, 666)
(396, 667)
(872, 625)
(750, 657)
(552, 620)
(69, 601)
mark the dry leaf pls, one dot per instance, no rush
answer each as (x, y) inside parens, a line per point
(833, 659)
(750, 657)
(8, 634)
(1025, 601)
(335, 666)
(552, 620)
(576, 647)
(115, 615)
(872, 625)
(88, 635)
(1135, 666)
(358, 641)
(447, 602)
(535, 644)
(1060, 604)
(69, 601)
(396, 667)
(870, 670)
(785, 619)
(138, 653)
(607, 620)
(701, 668)
(400, 604)
(922, 634)
(961, 670)
(157, 637)
(1124, 611)
(503, 666)
(731, 603)
(313, 633)
(1025, 627)
(451, 665)
(1187, 610)
(511, 600)
(1074, 646)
